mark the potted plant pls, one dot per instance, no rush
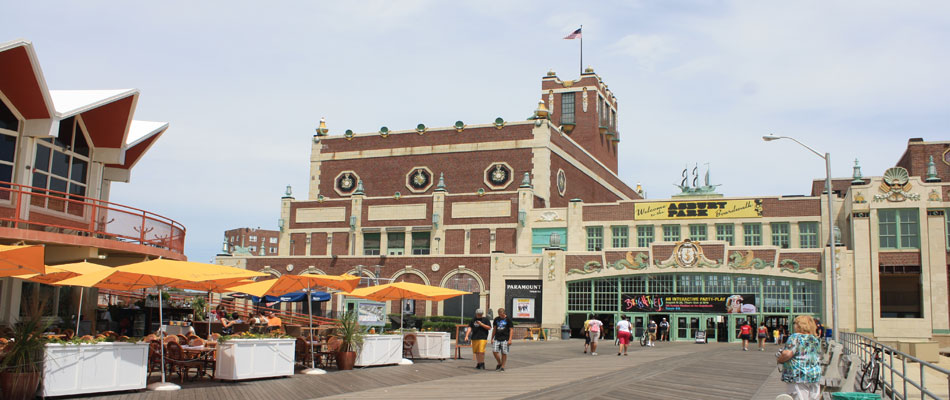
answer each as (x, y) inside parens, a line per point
(351, 339)
(23, 356)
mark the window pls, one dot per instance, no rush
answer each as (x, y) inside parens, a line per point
(578, 296)
(776, 296)
(697, 232)
(273, 240)
(420, 243)
(661, 284)
(899, 228)
(567, 108)
(805, 297)
(726, 233)
(62, 163)
(541, 238)
(8, 138)
(752, 234)
(671, 233)
(808, 235)
(8, 121)
(605, 295)
(633, 284)
(620, 237)
(595, 238)
(688, 284)
(273, 250)
(371, 244)
(252, 248)
(946, 218)
(645, 235)
(901, 292)
(719, 284)
(252, 238)
(396, 243)
(780, 234)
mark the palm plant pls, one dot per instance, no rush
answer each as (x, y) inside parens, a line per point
(24, 353)
(349, 332)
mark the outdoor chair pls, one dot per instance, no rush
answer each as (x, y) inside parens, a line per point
(302, 352)
(172, 338)
(196, 341)
(408, 343)
(180, 364)
(154, 356)
(328, 355)
(182, 338)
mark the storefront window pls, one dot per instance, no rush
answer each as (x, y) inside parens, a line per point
(595, 238)
(645, 235)
(697, 232)
(808, 235)
(780, 234)
(777, 294)
(620, 237)
(671, 233)
(726, 233)
(805, 297)
(578, 296)
(752, 234)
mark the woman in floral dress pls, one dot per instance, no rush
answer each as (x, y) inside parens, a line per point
(801, 358)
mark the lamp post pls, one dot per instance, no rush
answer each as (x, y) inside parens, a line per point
(831, 231)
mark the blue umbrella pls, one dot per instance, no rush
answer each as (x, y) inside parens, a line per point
(293, 297)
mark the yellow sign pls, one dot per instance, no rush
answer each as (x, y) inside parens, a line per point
(696, 209)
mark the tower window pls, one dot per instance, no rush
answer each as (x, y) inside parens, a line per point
(567, 108)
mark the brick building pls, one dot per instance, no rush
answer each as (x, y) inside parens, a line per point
(531, 216)
(256, 242)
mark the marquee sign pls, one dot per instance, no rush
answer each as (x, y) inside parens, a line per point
(673, 210)
(695, 303)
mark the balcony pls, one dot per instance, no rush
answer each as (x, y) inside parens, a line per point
(39, 215)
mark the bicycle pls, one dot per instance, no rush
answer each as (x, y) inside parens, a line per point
(644, 339)
(871, 372)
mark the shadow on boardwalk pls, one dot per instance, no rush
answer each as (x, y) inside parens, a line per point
(537, 370)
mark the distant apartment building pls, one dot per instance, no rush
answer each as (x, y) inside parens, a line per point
(258, 242)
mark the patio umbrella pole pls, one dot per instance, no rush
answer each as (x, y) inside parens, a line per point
(313, 370)
(79, 312)
(208, 315)
(162, 386)
(402, 328)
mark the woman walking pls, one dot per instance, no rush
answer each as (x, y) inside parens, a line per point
(762, 335)
(801, 361)
(745, 333)
(624, 334)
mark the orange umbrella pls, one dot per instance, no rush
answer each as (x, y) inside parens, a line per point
(65, 271)
(19, 260)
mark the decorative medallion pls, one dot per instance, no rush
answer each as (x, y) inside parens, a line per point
(345, 183)
(859, 198)
(498, 176)
(688, 254)
(561, 182)
(549, 216)
(419, 179)
(896, 186)
(946, 157)
(435, 268)
(934, 195)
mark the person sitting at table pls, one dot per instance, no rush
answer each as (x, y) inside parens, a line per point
(237, 318)
(218, 313)
(226, 325)
(273, 321)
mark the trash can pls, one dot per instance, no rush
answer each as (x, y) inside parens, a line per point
(855, 396)
(565, 332)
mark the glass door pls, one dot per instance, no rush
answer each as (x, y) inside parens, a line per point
(737, 321)
(687, 325)
(639, 324)
(710, 326)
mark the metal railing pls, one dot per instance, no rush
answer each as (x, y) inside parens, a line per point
(28, 207)
(895, 380)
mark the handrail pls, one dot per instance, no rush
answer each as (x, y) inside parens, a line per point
(858, 344)
(25, 206)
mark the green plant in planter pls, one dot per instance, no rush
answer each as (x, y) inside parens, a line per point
(199, 306)
(23, 357)
(350, 332)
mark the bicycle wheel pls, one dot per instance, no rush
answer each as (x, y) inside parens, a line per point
(643, 340)
(870, 378)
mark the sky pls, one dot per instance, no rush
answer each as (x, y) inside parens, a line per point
(243, 85)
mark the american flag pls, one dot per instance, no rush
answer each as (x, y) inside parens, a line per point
(574, 35)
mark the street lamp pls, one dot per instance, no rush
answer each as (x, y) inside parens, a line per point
(831, 231)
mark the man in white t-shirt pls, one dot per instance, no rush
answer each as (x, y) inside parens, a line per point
(624, 334)
(596, 329)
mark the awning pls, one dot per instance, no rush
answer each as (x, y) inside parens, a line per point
(293, 297)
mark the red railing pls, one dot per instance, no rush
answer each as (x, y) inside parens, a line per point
(28, 207)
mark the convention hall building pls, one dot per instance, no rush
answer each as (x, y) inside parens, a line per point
(533, 217)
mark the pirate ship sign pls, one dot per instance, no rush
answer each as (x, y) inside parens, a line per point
(896, 186)
(694, 190)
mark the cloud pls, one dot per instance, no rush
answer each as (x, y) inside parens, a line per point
(646, 50)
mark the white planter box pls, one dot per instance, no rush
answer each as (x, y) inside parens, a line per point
(254, 358)
(432, 345)
(70, 369)
(379, 350)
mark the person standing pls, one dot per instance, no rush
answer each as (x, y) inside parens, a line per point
(651, 329)
(596, 329)
(624, 334)
(801, 358)
(501, 339)
(587, 333)
(745, 333)
(763, 333)
(664, 330)
(478, 332)
(819, 329)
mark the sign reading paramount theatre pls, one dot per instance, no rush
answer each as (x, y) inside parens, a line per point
(659, 210)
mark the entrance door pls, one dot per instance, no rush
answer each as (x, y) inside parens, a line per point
(686, 326)
(773, 322)
(737, 321)
(711, 328)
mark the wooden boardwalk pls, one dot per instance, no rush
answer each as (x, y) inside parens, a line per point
(537, 370)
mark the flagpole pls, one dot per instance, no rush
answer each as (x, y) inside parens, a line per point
(582, 50)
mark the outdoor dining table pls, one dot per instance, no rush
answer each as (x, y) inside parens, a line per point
(203, 353)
